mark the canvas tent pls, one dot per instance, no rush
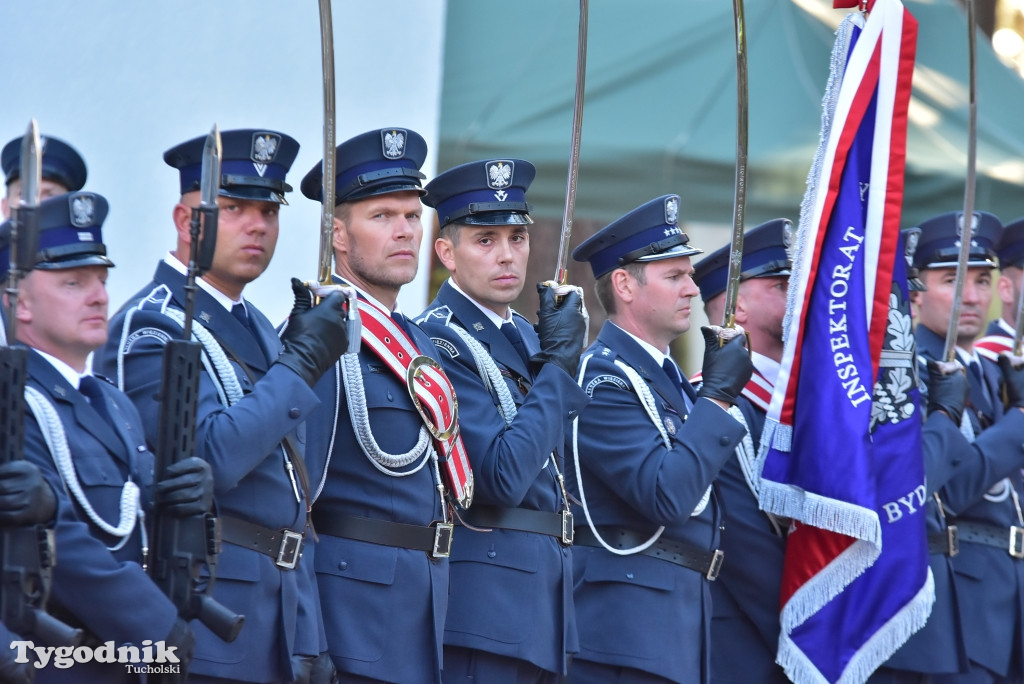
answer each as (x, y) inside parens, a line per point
(660, 104)
(660, 112)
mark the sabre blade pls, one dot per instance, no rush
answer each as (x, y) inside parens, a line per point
(561, 268)
(327, 206)
(740, 192)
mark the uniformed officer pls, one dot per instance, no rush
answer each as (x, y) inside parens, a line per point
(384, 528)
(63, 170)
(982, 495)
(87, 439)
(745, 598)
(255, 391)
(647, 450)
(516, 391)
(1000, 333)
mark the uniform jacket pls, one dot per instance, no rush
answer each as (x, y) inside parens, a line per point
(243, 446)
(532, 617)
(638, 611)
(87, 574)
(384, 607)
(745, 597)
(989, 582)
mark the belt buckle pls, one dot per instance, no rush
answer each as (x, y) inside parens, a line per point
(568, 531)
(1016, 541)
(290, 550)
(716, 565)
(442, 540)
(952, 540)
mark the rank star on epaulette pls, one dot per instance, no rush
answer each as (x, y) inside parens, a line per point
(606, 351)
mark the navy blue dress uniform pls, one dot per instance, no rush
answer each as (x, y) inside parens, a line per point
(99, 583)
(61, 163)
(980, 497)
(384, 595)
(514, 534)
(745, 598)
(649, 611)
(252, 440)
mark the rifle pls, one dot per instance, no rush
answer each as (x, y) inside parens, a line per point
(29, 553)
(182, 547)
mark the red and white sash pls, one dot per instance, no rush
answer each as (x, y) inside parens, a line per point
(991, 346)
(431, 391)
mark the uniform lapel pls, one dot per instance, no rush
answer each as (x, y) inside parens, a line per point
(218, 320)
(67, 399)
(473, 320)
(641, 361)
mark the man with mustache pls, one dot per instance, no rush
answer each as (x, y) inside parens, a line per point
(383, 510)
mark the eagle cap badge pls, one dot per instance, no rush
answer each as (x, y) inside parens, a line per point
(264, 147)
(82, 210)
(499, 173)
(393, 142)
(672, 209)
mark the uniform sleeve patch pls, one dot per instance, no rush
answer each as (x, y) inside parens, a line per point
(160, 335)
(442, 343)
(602, 379)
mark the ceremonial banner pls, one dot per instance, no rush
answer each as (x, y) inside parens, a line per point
(841, 452)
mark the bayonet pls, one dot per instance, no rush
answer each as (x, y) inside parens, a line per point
(205, 217)
(561, 268)
(967, 226)
(27, 554)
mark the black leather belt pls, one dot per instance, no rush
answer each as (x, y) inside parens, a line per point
(283, 546)
(558, 525)
(707, 563)
(1010, 539)
(946, 542)
(435, 538)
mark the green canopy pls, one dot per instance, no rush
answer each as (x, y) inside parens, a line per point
(660, 107)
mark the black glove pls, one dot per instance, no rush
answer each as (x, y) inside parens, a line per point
(1013, 379)
(25, 497)
(560, 327)
(186, 489)
(948, 389)
(314, 669)
(727, 367)
(316, 336)
(183, 641)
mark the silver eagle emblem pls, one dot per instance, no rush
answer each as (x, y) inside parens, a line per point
(499, 174)
(394, 143)
(672, 209)
(264, 147)
(82, 210)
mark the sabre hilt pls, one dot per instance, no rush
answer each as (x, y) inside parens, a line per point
(353, 323)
